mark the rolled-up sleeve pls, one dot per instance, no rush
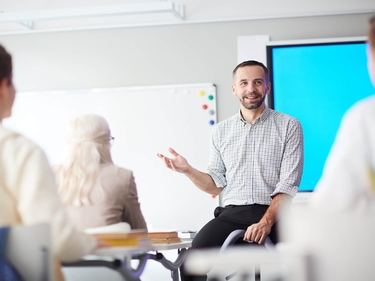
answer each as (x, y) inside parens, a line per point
(216, 168)
(292, 161)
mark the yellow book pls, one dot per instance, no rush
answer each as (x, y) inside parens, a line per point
(121, 234)
(163, 234)
(127, 242)
(165, 240)
(137, 233)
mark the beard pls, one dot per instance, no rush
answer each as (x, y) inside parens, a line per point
(253, 105)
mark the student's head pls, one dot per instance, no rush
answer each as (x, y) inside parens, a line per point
(7, 91)
(251, 84)
(89, 135)
(371, 52)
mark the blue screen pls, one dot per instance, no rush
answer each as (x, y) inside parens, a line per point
(317, 84)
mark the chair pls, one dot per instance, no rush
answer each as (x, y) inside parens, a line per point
(238, 234)
(231, 240)
(28, 249)
(277, 265)
(339, 245)
(7, 270)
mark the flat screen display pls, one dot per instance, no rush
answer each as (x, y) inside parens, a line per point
(316, 82)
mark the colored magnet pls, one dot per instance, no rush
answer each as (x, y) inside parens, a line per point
(201, 93)
(204, 106)
(212, 122)
(211, 112)
(210, 97)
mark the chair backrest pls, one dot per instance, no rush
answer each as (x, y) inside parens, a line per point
(239, 233)
(7, 270)
(29, 251)
(340, 246)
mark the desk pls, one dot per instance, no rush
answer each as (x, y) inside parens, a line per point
(118, 258)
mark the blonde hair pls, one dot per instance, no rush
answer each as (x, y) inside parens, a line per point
(86, 149)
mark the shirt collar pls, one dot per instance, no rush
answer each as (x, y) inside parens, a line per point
(266, 112)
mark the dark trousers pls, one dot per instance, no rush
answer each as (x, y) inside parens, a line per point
(226, 220)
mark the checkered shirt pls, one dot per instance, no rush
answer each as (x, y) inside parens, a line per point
(254, 162)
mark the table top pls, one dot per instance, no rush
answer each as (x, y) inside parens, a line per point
(116, 251)
(172, 246)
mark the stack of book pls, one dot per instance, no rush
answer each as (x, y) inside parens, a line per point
(164, 237)
(134, 238)
(120, 235)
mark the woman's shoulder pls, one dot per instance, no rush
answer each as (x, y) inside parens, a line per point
(116, 179)
(110, 169)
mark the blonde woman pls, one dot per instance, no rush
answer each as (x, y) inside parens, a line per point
(95, 191)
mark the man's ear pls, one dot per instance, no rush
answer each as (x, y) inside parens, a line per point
(233, 90)
(3, 86)
(268, 90)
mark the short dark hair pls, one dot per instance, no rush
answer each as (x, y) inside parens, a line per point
(251, 63)
(371, 33)
(5, 65)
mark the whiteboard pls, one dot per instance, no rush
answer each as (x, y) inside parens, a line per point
(144, 122)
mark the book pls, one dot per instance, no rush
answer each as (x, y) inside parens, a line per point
(120, 227)
(137, 233)
(163, 234)
(166, 240)
(120, 234)
(127, 242)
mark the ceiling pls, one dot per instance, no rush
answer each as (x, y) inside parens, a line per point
(33, 16)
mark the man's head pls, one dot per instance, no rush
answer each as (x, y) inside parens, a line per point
(251, 63)
(251, 84)
(5, 65)
(371, 51)
(7, 91)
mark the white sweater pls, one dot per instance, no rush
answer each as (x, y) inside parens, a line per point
(346, 183)
(28, 195)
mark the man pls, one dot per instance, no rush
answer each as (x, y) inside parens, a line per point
(348, 179)
(28, 193)
(256, 163)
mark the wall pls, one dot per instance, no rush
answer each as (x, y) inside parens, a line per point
(175, 54)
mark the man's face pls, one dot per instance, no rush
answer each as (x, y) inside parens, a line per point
(251, 86)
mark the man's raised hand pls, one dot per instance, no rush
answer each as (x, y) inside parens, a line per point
(176, 163)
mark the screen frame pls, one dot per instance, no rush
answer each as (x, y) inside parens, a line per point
(302, 196)
(303, 42)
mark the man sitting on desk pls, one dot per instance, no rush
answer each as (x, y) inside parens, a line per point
(256, 163)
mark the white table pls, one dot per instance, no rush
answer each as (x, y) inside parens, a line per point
(291, 265)
(118, 258)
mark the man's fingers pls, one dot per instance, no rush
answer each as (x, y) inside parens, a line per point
(162, 157)
(261, 240)
(258, 238)
(247, 236)
(166, 160)
(172, 151)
